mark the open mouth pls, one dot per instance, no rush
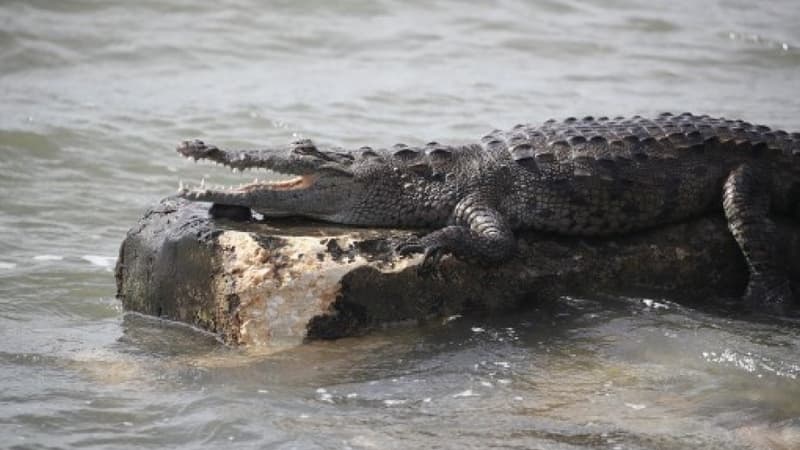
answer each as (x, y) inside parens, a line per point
(198, 151)
(292, 184)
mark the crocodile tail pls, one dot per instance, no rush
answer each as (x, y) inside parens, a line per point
(759, 140)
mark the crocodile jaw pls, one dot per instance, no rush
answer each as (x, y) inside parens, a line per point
(318, 196)
(200, 191)
(303, 196)
(321, 186)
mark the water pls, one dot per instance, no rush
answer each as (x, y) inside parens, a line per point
(95, 94)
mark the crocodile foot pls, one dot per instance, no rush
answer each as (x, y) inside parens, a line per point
(432, 256)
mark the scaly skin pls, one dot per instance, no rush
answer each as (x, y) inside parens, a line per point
(582, 177)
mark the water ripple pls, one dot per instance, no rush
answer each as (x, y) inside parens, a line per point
(97, 94)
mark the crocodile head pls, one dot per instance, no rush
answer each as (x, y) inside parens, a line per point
(321, 184)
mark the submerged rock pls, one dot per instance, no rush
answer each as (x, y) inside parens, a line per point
(259, 283)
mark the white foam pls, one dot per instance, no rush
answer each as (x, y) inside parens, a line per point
(324, 396)
(7, 265)
(467, 393)
(48, 258)
(106, 262)
(654, 304)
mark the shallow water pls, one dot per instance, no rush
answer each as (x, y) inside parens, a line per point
(96, 94)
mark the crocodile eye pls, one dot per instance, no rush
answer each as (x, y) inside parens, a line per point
(304, 147)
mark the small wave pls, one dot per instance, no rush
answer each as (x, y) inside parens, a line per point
(761, 40)
(48, 258)
(7, 265)
(106, 262)
(751, 363)
(467, 393)
(28, 143)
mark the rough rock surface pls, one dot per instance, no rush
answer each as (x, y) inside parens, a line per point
(258, 283)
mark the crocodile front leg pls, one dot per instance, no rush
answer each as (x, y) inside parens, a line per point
(479, 234)
(746, 202)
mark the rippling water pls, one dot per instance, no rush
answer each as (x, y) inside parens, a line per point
(96, 93)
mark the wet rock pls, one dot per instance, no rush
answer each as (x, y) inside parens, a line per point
(263, 283)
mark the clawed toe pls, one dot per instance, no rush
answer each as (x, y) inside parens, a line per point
(409, 247)
(431, 260)
(431, 263)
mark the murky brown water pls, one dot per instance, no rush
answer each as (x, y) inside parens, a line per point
(96, 94)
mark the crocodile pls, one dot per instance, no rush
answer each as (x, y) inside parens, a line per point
(579, 177)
